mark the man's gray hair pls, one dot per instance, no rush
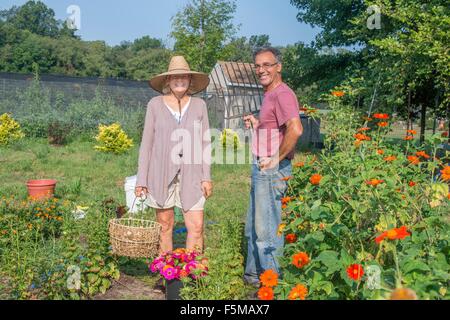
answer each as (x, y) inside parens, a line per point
(272, 50)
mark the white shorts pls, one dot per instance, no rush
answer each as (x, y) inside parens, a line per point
(174, 199)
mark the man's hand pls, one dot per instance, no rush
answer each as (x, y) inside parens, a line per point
(207, 189)
(267, 163)
(250, 121)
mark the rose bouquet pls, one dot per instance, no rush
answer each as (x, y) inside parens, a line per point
(179, 264)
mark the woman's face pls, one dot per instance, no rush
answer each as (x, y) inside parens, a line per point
(179, 83)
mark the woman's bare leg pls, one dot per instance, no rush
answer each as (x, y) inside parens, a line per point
(166, 218)
(194, 226)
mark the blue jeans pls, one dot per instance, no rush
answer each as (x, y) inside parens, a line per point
(263, 219)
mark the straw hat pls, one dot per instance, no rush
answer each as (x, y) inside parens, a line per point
(178, 65)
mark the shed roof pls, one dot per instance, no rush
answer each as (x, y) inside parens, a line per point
(240, 74)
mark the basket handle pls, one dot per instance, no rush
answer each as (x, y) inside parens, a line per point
(142, 198)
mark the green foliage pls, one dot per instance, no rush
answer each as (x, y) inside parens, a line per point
(225, 268)
(113, 139)
(201, 30)
(9, 129)
(242, 49)
(230, 139)
(401, 67)
(47, 254)
(337, 221)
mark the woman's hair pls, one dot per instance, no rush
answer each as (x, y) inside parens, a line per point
(166, 88)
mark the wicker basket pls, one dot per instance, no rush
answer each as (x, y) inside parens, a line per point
(134, 238)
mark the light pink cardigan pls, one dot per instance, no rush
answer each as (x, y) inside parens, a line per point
(156, 170)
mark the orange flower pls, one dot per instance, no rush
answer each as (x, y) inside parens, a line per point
(298, 292)
(411, 183)
(380, 152)
(283, 206)
(286, 200)
(183, 274)
(315, 179)
(361, 137)
(355, 272)
(363, 129)
(413, 159)
(422, 154)
(367, 119)
(412, 132)
(299, 164)
(269, 278)
(286, 178)
(383, 116)
(403, 294)
(358, 143)
(300, 259)
(445, 173)
(291, 238)
(338, 94)
(393, 234)
(374, 182)
(390, 158)
(265, 293)
(444, 134)
(382, 124)
(407, 138)
(322, 226)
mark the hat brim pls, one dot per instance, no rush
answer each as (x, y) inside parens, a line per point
(199, 82)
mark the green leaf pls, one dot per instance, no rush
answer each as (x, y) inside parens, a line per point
(330, 260)
(415, 266)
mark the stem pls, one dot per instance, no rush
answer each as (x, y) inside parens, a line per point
(399, 275)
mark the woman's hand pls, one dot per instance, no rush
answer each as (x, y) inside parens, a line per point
(207, 189)
(140, 191)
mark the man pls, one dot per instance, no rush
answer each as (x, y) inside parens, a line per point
(275, 135)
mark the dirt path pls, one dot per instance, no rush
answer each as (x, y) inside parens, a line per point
(130, 288)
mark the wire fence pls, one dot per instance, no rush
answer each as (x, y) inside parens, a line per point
(87, 102)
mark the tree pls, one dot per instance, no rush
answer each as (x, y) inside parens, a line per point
(242, 49)
(35, 17)
(405, 62)
(201, 31)
(146, 43)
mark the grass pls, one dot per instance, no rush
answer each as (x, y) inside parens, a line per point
(88, 178)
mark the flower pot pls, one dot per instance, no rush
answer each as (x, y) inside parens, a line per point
(173, 289)
(41, 189)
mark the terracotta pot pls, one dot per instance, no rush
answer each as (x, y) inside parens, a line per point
(41, 189)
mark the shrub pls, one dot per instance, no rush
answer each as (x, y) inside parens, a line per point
(375, 222)
(230, 139)
(9, 129)
(113, 139)
(225, 267)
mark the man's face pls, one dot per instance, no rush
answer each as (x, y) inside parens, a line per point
(267, 69)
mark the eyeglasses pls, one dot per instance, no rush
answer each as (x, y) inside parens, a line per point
(265, 66)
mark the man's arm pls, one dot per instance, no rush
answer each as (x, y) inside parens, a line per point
(294, 130)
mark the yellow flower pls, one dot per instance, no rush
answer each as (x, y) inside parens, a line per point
(281, 229)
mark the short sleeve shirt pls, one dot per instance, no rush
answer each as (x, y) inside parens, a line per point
(279, 106)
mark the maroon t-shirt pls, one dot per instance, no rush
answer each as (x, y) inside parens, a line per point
(279, 106)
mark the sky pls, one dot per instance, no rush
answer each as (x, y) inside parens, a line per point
(119, 20)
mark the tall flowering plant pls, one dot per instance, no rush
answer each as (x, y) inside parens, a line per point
(180, 263)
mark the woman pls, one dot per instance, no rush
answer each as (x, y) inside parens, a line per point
(171, 173)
